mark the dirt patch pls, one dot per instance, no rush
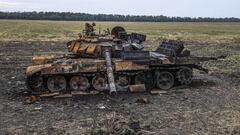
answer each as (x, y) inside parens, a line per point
(209, 106)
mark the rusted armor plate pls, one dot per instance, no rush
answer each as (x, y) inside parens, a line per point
(128, 66)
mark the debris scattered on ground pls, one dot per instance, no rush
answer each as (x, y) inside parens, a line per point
(64, 96)
(158, 92)
(50, 94)
(30, 99)
(37, 108)
(137, 88)
(101, 106)
(82, 93)
(143, 100)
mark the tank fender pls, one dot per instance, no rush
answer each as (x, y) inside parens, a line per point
(40, 60)
(34, 69)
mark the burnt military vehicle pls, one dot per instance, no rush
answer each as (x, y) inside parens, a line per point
(113, 61)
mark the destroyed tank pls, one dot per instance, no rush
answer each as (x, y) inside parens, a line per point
(112, 61)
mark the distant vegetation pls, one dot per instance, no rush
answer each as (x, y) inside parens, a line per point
(38, 30)
(68, 16)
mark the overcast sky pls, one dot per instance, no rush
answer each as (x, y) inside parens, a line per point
(191, 8)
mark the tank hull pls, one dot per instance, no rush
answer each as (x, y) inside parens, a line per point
(93, 72)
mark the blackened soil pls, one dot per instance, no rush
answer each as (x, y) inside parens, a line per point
(211, 105)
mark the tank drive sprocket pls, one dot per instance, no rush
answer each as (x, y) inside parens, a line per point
(185, 75)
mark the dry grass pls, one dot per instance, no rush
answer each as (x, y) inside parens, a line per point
(22, 30)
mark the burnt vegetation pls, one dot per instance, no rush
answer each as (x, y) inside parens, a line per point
(68, 16)
(210, 105)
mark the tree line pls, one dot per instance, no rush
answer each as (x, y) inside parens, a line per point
(68, 16)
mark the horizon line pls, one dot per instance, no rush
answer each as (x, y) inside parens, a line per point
(115, 14)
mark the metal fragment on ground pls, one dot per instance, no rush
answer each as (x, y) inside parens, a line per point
(82, 93)
(158, 92)
(50, 94)
(137, 88)
(30, 99)
(64, 96)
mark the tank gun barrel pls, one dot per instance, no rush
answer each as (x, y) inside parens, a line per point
(107, 56)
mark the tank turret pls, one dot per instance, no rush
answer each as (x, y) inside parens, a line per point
(90, 44)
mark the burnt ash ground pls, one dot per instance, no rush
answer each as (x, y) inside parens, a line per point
(211, 105)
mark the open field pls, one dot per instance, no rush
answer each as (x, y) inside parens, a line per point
(210, 105)
(22, 30)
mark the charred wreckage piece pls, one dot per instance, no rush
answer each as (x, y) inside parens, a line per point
(111, 62)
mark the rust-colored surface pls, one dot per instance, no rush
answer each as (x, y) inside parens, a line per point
(91, 49)
(76, 47)
(89, 69)
(50, 94)
(91, 65)
(78, 66)
(60, 69)
(70, 48)
(34, 69)
(137, 88)
(82, 49)
(38, 60)
(30, 99)
(63, 96)
(128, 65)
(88, 65)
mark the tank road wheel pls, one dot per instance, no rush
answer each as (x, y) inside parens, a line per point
(184, 75)
(79, 83)
(100, 83)
(145, 78)
(122, 82)
(164, 80)
(35, 83)
(56, 83)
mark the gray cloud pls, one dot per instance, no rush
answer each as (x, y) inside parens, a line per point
(8, 4)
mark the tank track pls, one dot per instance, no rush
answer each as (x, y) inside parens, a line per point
(163, 78)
